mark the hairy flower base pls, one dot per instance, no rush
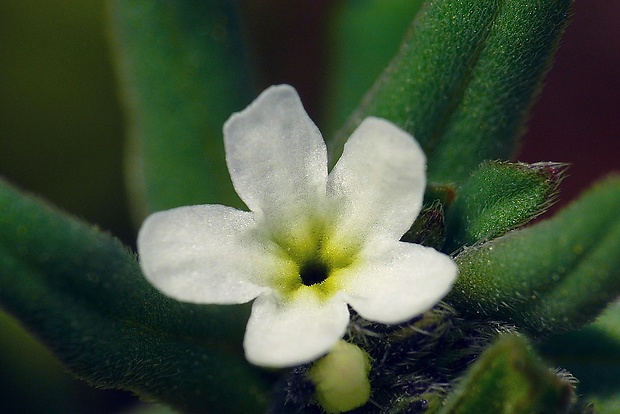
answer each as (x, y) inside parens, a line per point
(312, 242)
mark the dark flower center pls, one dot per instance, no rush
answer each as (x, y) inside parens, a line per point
(313, 272)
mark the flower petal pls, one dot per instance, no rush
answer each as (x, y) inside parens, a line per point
(398, 281)
(276, 156)
(379, 182)
(205, 254)
(292, 333)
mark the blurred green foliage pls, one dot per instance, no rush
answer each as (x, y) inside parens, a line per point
(61, 127)
(182, 72)
(509, 378)
(33, 381)
(366, 34)
(61, 136)
(592, 354)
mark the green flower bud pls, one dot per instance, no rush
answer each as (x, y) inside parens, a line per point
(341, 378)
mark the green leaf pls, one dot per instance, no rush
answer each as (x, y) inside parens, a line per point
(151, 409)
(183, 74)
(365, 36)
(500, 196)
(82, 293)
(592, 354)
(554, 276)
(509, 378)
(607, 404)
(465, 78)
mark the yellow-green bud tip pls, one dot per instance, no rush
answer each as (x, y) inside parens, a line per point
(341, 378)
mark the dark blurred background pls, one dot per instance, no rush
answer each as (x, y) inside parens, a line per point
(61, 130)
(577, 116)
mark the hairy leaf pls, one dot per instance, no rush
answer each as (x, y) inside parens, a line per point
(183, 73)
(508, 378)
(465, 78)
(554, 276)
(82, 293)
(500, 196)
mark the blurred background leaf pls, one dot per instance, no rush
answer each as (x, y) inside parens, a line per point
(365, 35)
(61, 127)
(182, 72)
(509, 378)
(61, 135)
(34, 381)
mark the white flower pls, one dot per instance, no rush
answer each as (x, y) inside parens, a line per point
(312, 242)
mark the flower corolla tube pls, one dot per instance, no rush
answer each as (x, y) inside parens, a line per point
(313, 242)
